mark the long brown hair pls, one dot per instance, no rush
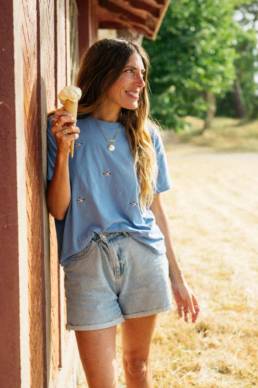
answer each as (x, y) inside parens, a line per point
(100, 67)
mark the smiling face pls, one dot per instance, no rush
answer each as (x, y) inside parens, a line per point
(125, 91)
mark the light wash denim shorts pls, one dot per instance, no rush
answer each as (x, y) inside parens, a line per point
(115, 278)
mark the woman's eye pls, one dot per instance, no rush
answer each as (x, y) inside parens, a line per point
(134, 72)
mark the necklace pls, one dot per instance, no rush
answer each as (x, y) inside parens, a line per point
(110, 142)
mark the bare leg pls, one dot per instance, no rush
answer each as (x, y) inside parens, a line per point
(136, 338)
(98, 355)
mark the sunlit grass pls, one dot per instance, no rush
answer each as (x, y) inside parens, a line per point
(224, 134)
(213, 211)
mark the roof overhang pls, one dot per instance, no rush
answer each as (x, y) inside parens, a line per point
(142, 16)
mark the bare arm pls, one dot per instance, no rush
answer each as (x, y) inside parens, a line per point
(59, 191)
(175, 272)
(184, 297)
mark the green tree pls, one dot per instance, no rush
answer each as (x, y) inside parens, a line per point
(192, 59)
(242, 100)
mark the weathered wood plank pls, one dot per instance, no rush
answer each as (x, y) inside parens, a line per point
(34, 185)
(47, 54)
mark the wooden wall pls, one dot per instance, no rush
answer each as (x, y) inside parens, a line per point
(36, 61)
(9, 239)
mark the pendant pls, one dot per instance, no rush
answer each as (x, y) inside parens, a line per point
(111, 147)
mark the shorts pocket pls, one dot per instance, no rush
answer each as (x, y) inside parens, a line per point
(83, 254)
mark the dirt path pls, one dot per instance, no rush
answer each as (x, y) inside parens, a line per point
(214, 208)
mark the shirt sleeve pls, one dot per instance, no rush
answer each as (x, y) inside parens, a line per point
(51, 151)
(163, 181)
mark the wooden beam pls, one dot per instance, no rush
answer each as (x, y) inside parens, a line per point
(149, 5)
(143, 16)
(124, 8)
(163, 12)
(111, 20)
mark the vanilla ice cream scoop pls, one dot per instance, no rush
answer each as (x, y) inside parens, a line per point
(69, 97)
(71, 93)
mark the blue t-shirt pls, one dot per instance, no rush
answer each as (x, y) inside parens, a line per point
(105, 189)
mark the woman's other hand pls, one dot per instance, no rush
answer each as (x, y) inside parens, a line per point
(185, 300)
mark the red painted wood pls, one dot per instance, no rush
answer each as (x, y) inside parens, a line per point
(87, 23)
(44, 44)
(9, 261)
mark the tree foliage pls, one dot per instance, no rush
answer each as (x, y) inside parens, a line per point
(246, 63)
(194, 53)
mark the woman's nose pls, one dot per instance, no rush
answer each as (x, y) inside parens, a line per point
(140, 80)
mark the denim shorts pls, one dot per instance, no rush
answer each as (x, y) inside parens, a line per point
(115, 278)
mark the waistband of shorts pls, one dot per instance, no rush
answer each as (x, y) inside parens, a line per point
(109, 235)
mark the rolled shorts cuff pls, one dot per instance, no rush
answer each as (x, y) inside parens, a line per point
(118, 321)
(97, 326)
(150, 312)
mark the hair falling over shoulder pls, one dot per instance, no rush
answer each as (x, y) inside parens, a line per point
(100, 67)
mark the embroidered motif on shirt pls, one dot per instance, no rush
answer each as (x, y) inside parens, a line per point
(133, 203)
(106, 173)
(81, 199)
(78, 144)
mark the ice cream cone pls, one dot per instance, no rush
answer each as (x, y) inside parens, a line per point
(71, 107)
(69, 97)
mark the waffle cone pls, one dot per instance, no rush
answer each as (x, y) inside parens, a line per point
(71, 107)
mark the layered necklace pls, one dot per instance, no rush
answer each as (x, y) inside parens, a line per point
(110, 142)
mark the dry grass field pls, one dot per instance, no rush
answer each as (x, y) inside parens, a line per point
(213, 213)
(226, 134)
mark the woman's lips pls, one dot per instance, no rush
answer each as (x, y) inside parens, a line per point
(134, 95)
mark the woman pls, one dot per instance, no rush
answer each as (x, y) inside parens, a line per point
(113, 235)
